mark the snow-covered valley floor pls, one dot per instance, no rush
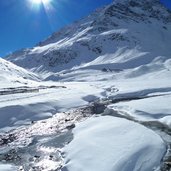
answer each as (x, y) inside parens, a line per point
(66, 125)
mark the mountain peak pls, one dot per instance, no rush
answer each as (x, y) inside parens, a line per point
(121, 28)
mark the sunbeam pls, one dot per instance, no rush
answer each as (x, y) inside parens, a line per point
(39, 2)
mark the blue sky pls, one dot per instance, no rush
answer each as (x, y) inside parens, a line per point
(24, 25)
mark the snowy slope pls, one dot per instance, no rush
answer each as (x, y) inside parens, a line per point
(13, 75)
(123, 35)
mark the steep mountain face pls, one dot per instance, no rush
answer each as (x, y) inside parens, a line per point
(123, 35)
(12, 75)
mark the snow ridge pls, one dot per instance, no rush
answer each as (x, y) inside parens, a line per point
(13, 74)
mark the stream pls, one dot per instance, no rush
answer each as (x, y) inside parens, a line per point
(37, 147)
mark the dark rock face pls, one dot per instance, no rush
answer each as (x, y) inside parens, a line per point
(139, 10)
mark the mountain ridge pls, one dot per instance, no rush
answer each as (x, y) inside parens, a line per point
(121, 28)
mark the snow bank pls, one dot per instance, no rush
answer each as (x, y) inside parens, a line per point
(113, 144)
(148, 109)
(21, 109)
(7, 167)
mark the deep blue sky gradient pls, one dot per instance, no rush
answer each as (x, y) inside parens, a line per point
(23, 26)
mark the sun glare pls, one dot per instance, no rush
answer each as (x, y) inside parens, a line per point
(38, 2)
(46, 6)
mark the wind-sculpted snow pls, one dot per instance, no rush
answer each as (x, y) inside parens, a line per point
(107, 144)
(22, 108)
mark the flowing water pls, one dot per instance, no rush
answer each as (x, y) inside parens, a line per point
(38, 147)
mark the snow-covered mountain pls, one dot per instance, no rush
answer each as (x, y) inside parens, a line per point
(125, 34)
(13, 75)
(111, 69)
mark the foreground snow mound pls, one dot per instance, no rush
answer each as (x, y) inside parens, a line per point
(113, 144)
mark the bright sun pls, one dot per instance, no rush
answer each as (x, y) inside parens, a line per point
(40, 1)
